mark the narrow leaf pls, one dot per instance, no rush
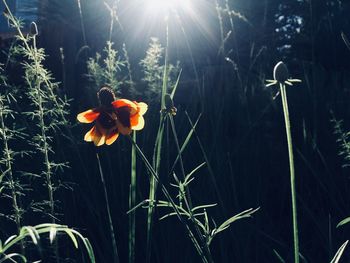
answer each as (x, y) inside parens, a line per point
(339, 253)
(72, 237)
(53, 232)
(343, 222)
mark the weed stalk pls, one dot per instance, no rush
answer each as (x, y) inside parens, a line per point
(292, 172)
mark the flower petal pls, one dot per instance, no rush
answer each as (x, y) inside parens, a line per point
(99, 140)
(89, 135)
(141, 107)
(88, 116)
(137, 122)
(94, 135)
(112, 137)
(125, 103)
(123, 129)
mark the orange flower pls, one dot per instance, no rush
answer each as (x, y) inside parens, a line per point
(112, 117)
(134, 110)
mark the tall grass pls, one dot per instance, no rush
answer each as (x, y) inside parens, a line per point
(208, 152)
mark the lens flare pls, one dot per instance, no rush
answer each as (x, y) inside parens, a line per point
(165, 6)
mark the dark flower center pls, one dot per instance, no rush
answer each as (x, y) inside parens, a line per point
(123, 114)
(106, 96)
(106, 120)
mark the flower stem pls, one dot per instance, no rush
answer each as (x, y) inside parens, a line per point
(292, 173)
(114, 244)
(132, 203)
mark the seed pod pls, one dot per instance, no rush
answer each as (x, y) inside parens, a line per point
(280, 72)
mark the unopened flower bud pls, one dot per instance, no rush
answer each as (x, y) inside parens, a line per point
(169, 105)
(33, 29)
(280, 72)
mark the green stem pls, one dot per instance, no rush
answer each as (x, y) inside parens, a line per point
(157, 152)
(132, 202)
(292, 173)
(45, 145)
(187, 197)
(171, 201)
(114, 244)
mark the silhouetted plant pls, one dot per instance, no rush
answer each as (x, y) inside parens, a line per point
(154, 69)
(10, 186)
(106, 70)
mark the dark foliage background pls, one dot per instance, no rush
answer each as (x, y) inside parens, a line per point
(241, 125)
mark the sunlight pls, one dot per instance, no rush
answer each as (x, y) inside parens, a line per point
(165, 6)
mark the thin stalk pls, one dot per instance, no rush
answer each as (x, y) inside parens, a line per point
(292, 173)
(172, 203)
(82, 22)
(111, 26)
(153, 186)
(187, 198)
(132, 202)
(45, 149)
(157, 152)
(111, 228)
(218, 12)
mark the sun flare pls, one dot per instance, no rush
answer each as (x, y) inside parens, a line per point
(165, 6)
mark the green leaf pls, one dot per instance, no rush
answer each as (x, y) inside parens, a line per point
(346, 40)
(72, 237)
(339, 253)
(343, 222)
(137, 206)
(32, 233)
(175, 86)
(9, 239)
(193, 171)
(279, 256)
(12, 255)
(183, 147)
(203, 206)
(3, 175)
(89, 249)
(245, 214)
(53, 232)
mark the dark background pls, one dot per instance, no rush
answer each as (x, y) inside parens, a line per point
(241, 128)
